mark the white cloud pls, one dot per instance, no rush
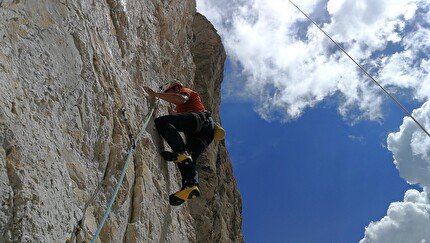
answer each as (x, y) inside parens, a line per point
(408, 221)
(289, 65)
(411, 149)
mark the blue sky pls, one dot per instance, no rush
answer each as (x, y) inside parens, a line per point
(319, 152)
(316, 179)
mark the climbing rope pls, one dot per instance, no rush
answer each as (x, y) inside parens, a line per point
(102, 183)
(129, 156)
(362, 69)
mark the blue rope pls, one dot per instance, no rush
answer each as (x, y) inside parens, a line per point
(130, 153)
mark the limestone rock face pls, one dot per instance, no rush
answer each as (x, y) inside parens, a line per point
(66, 70)
(216, 175)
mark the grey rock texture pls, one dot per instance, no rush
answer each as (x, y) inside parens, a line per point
(66, 69)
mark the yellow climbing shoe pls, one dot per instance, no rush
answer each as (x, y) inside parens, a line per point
(184, 158)
(177, 158)
(183, 195)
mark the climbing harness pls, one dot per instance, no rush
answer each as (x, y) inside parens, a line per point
(130, 153)
(362, 69)
(201, 118)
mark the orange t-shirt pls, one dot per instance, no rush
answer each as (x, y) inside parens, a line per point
(193, 104)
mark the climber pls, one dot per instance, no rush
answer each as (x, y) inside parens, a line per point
(196, 123)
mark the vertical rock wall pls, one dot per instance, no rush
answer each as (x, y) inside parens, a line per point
(66, 69)
(218, 215)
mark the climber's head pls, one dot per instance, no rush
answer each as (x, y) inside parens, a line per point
(175, 83)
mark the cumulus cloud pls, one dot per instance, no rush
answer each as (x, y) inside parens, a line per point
(289, 65)
(408, 221)
(411, 149)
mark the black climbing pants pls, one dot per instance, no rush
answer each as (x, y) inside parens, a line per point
(198, 133)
